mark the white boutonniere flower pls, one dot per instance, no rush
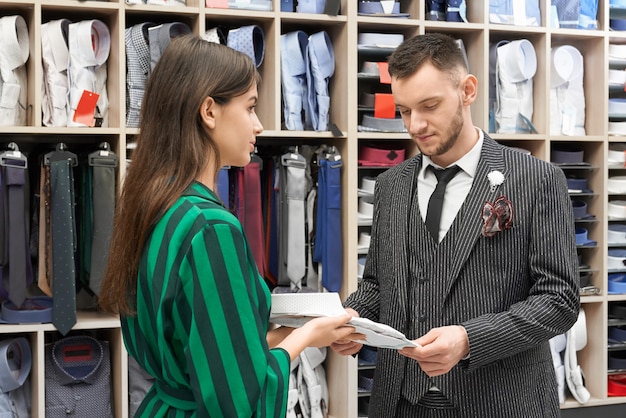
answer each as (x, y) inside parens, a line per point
(496, 178)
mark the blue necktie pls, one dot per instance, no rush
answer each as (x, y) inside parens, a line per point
(223, 185)
(293, 76)
(320, 67)
(250, 40)
(332, 273)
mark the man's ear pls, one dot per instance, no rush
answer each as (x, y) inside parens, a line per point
(469, 84)
(208, 110)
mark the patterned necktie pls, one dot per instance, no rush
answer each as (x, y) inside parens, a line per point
(433, 215)
(63, 240)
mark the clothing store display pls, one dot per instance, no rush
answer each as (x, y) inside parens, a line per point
(14, 52)
(89, 46)
(100, 201)
(293, 71)
(160, 36)
(64, 241)
(54, 50)
(374, 28)
(567, 97)
(37, 309)
(379, 40)
(328, 240)
(250, 40)
(310, 6)
(292, 213)
(137, 69)
(576, 341)
(320, 68)
(15, 370)
(515, 67)
(567, 156)
(616, 209)
(568, 12)
(78, 377)
(371, 123)
(616, 185)
(616, 234)
(616, 283)
(368, 184)
(370, 156)
(17, 268)
(511, 12)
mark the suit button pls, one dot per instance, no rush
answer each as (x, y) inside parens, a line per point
(422, 318)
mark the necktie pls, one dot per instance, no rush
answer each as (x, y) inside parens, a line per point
(103, 165)
(252, 213)
(433, 214)
(63, 239)
(20, 273)
(293, 192)
(223, 185)
(328, 231)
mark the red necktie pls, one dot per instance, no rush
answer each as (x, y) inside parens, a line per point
(251, 214)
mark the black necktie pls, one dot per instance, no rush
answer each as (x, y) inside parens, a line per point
(433, 215)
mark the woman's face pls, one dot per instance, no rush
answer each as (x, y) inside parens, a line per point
(236, 128)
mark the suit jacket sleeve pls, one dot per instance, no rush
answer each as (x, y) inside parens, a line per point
(553, 302)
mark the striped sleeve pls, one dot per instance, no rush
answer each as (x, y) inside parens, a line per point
(231, 368)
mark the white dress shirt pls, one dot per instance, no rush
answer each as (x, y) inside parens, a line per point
(457, 189)
(89, 46)
(14, 52)
(55, 54)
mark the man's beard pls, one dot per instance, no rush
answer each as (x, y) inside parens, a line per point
(452, 134)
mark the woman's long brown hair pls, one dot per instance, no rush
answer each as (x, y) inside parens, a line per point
(173, 148)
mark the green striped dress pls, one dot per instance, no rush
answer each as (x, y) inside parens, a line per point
(202, 318)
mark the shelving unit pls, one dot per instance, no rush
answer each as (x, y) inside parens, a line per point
(342, 372)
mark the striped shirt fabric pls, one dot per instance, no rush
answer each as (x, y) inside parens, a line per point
(202, 318)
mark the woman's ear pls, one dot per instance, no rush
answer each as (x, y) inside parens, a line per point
(208, 110)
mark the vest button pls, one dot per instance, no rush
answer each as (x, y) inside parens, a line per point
(422, 318)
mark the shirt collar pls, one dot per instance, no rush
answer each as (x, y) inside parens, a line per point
(67, 353)
(14, 352)
(468, 162)
(15, 37)
(82, 44)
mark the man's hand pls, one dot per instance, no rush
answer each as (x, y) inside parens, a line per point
(439, 350)
(347, 347)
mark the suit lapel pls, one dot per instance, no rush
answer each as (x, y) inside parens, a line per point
(467, 226)
(399, 220)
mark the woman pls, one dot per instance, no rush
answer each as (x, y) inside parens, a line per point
(194, 309)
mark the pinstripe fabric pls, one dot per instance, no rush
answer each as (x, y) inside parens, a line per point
(202, 317)
(512, 292)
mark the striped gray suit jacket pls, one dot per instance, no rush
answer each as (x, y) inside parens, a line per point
(512, 292)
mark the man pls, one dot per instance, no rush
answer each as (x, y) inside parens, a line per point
(482, 291)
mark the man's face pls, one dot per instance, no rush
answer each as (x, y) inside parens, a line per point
(431, 108)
